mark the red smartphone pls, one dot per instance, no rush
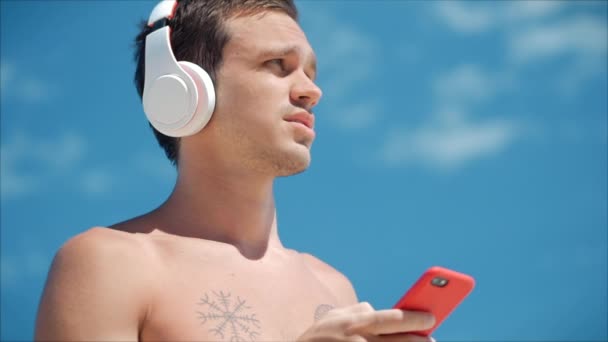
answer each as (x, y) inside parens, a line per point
(438, 291)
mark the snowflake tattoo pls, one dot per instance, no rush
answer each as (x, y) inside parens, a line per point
(230, 317)
(322, 310)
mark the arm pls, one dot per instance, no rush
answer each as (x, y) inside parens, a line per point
(360, 322)
(95, 290)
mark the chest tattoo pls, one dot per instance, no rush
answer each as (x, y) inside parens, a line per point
(227, 317)
(322, 310)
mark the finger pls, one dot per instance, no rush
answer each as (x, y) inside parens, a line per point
(404, 338)
(390, 322)
(347, 312)
(361, 307)
(396, 338)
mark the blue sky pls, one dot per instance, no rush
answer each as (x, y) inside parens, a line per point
(471, 135)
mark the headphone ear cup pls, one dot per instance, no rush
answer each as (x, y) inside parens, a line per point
(206, 98)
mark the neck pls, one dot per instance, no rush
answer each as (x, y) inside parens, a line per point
(219, 204)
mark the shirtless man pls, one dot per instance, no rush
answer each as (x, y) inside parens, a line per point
(208, 264)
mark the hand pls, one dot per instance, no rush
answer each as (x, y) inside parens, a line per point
(361, 323)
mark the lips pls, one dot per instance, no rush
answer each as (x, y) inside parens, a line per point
(304, 118)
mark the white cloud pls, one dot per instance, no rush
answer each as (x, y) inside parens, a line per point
(464, 84)
(13, 183)
(538, 31)
(341, 84)
(532, 37)
(34, 90)
(344, 44)
(154, 165)
(22, 268)
(62, 152)
(518, 10)
(474, 17)
(25, 88)
(448, 143)
(583, 36)
(97, 181)
(453, 140)
(585, 68)
(347, 58)
(465, 18)
(29, 162)
(358, 115)
(452, 137)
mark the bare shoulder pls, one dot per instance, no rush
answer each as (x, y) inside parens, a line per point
(102, 269)
(101, 244)
(338, 282)
(105, 252)
(100, 233)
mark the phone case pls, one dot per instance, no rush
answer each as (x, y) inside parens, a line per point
(428, 294)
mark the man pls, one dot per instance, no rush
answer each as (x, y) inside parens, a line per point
(208, 264)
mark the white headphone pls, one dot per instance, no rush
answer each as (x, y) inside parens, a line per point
(178, 98)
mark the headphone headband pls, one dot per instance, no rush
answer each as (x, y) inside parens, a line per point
(163, 10)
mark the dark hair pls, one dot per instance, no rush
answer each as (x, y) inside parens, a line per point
(198, 35)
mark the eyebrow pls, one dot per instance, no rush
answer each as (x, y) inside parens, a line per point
(288, 50)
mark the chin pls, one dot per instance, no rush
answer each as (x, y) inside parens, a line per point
(294, 162)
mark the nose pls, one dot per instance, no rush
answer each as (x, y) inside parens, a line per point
(305, 93)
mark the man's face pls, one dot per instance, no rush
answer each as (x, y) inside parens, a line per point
(265, 94)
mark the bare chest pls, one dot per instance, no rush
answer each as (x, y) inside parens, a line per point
(236, 301)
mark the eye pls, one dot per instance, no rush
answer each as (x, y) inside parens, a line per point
(311, 76)
(277, 63)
